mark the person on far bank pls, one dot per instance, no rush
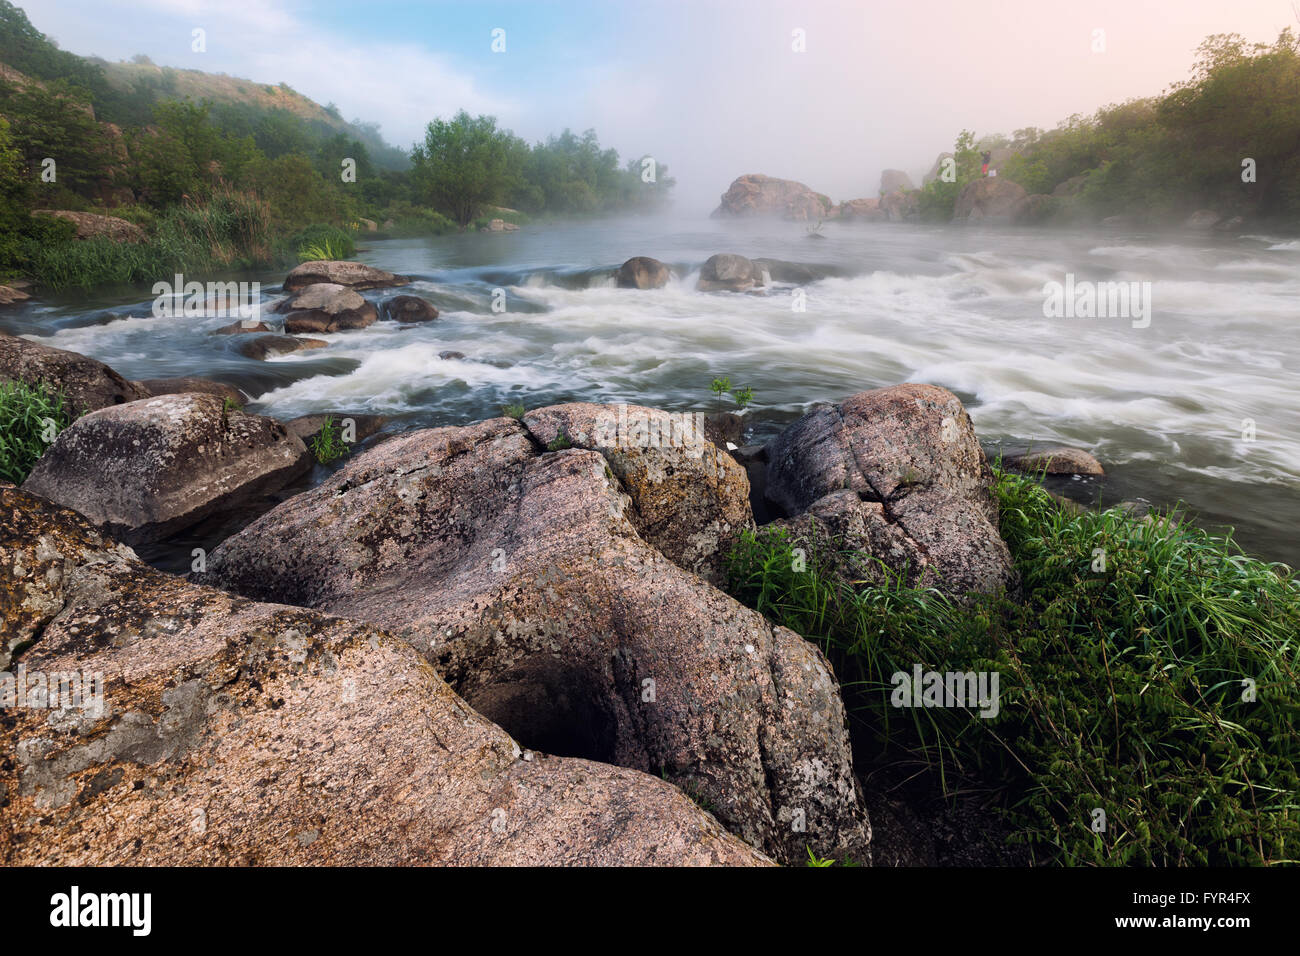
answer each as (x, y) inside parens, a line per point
(986, 156)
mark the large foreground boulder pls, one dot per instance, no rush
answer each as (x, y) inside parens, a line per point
(148, 469)
(326, 307)
(87, 384)
(354, 275)
(988, 199)
(211, 730)
(642, 272)
(521, 575)
(758, 195)
(727, 272)
(690, 499)
(896, 473)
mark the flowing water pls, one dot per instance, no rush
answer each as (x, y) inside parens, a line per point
(1164, 407)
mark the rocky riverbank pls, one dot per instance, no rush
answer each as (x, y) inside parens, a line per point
(500, 643)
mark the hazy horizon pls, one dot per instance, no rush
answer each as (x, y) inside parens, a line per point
(714, 90)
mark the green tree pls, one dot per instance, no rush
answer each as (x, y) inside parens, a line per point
(465, 164)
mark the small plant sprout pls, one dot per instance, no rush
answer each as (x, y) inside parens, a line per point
(328, 445)
(743, 396)
(513, 411)
(720, 387)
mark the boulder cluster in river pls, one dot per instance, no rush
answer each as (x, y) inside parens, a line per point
(498, 643)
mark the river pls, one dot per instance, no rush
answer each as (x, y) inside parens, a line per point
(1165, 407)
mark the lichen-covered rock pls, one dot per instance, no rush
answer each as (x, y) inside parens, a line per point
(690, 499)
(354, 275)
(148, 469)
(87, 384)
(94, 226)
(212, 730)
(910, 452)
(520, 574)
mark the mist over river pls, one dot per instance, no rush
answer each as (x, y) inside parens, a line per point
(1162, 407)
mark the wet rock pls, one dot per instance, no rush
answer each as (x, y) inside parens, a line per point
(1202, 219)
(1033, 210)
(201, 386)
(522, 577)
(87, 384)
(237, 733)
(409, 308)
(451, 354)
(239, 328)
(726, 272)
(354, 275)
(1056, 461)
(145, 470)
(642, 272)
(861, 210)
(918, 482)
(326, 307)
(266, 346)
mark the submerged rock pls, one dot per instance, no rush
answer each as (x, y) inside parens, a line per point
(1056, 461)
(522, 576)
(239, 328)
(897, 473)
(238, 733)
(642, 272)
(265, 346)
(85, 383)
(145, 470)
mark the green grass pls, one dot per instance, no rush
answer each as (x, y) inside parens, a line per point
(30, 417)
(328, 444)
(513, 411)
(1120, 689)
(320, 243)
(230, 231)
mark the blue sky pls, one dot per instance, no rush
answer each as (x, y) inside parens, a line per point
(713, 88)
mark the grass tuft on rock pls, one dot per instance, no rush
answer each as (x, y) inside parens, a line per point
(1148, 671)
